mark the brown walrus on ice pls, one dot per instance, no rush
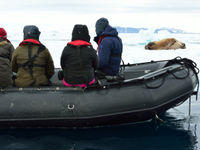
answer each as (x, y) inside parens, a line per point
(168, 43)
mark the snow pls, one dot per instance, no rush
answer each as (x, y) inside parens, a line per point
(134, 51)
(133, 44)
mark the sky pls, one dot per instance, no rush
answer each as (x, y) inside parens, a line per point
(181, 14)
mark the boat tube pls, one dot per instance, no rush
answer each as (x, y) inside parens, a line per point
(143, 92)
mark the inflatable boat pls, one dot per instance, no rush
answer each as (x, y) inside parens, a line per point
(142, 92)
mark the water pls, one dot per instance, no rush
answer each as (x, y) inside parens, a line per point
(179, 131)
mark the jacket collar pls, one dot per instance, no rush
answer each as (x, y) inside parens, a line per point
(79, 43)
(28, 41)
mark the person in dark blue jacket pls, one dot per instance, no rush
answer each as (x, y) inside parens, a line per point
(109, 47)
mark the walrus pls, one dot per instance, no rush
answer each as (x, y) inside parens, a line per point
(168, 43)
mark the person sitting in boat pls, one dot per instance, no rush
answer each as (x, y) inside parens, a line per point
(79, 59)
(32, 61)
(109, 48)
(6, 50)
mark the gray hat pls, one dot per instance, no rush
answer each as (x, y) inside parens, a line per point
(31, 32)
(101, 25)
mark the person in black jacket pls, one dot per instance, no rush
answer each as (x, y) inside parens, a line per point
(79, 59)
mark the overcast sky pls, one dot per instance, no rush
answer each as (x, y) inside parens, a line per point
(183, 14)
(103, 6)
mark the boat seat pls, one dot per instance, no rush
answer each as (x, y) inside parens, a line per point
(54, 79)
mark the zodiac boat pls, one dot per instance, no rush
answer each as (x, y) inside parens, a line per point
(143, 91)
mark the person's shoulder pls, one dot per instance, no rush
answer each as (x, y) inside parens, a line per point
(68, 46)
(45, 50)
(110, 38)
(10, 45)
(67, 49)
(93, 50)
(19, 47)
(107, 40)
(89, 47)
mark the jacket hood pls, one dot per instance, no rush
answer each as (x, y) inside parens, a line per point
(80, 32)
(3, 33)
(101, 25)
(110, 31)
(31, 32)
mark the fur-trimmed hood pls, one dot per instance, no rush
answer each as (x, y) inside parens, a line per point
(3, 43)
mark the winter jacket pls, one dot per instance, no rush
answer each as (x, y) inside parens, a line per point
(109, 51)
(6, 50)
(79, 60)
(32, 73)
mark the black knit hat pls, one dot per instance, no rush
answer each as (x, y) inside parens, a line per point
(31, 32)
(80, 32)
(101, 25)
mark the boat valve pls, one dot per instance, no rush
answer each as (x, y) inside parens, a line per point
(70, 106)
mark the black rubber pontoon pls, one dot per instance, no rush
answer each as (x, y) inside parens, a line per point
(148, 89)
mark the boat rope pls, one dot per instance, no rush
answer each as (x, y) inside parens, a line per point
(163, 76)
(184, 61)
(122, 67)
(179, 68)
(181, 77)
(189, 111)
(159, 119)
(186, 65)
(189, 64)
(154, 87)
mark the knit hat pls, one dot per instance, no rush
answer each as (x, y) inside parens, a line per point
(80, 32)
(101, 25)
(3, 33)
(31, 32)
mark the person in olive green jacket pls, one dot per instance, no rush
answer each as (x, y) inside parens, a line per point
(6, 50)
(32, 61)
